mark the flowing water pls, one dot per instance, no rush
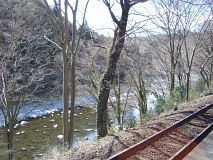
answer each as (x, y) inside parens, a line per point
(41, 134)
(45, 125)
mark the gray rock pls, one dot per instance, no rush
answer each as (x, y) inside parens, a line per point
(16, 126)
(23, 123)
(55, 126)
(75, 130)
(52, 120)
(60, 137)
(89, 130)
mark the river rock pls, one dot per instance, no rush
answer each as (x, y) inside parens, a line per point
(52, 120)
(89, 130)
(37, 155)
(75, 130)
(16, 126)
(18, 133)
(23, 123)
(55, 126)
(60, 137)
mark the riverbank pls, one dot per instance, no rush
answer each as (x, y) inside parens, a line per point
(114, 143)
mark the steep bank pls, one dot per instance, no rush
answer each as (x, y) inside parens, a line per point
(114, 143)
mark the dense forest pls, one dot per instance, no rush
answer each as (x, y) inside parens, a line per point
(48, 52)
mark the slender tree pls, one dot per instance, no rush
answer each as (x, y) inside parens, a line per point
(114, 54)
(139, 66)
(68, 44)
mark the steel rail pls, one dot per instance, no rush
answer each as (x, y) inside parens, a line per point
(143, 144)
(192, 144)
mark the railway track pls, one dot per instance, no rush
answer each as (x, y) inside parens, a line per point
(174, 142)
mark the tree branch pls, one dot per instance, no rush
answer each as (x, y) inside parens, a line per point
(52, 41)
(111, 13)
(134, 2)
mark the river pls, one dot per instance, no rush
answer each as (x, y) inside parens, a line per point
(45, 126)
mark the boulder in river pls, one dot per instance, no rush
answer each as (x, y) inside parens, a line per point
(37, 155)
(52, 120)
(55, 126)
(16, 126)
(75, 130)
(18, 133)
(89, 130)
(60, 137)
(23, 123)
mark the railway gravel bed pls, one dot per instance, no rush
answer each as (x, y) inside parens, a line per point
(117, 142)
(164, 147)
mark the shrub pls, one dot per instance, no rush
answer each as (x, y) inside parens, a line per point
(200, 86)
(130, 120)
(161, 105)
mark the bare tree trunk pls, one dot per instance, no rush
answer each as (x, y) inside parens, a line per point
(116, 49)
(73, 94)
(10, 143)
(172, 75)
(181, 89)
(142, 98)
(102, 114)
(73, 76)
(211, 73)
(187, 85)
(65, 98)
(117, 108)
